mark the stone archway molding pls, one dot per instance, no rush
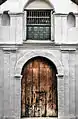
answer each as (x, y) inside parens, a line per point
(60, 78)
(31, 54)
(28, 2)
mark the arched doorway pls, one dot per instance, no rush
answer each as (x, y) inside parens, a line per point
(39, 88)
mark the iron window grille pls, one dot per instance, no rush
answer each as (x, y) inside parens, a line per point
(38, 25)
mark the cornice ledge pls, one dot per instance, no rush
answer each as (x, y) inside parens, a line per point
(10, 49)
(68, 49)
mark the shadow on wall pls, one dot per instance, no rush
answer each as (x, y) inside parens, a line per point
(5, 19)
(2, 1)
(71, 20)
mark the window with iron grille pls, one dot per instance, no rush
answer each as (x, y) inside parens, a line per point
(38, 24)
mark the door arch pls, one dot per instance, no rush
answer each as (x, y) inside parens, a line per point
(39, 88)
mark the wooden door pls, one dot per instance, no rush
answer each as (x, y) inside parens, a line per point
(39, 89)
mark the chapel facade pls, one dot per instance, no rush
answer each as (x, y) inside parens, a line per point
(39, 59)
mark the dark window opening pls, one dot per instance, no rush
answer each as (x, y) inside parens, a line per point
(5, 19)
(71, 20)
(39, 24)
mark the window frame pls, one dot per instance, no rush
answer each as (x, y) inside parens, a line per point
(51, 26)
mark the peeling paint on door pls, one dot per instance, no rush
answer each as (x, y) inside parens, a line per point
(39, 89)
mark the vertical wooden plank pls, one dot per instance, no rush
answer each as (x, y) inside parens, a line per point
(23, 96)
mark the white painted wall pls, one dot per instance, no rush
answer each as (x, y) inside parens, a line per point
(63, 34)
(15, 32)
(61, 6)
(12, 34)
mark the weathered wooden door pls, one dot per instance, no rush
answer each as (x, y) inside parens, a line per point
(39, 89)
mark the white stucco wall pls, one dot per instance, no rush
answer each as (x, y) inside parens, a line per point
(63, 34)
(10, 55)
(16, 32)
(61, 6)
(12, 61)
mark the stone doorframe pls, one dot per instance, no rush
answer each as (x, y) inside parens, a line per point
(60, 79)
